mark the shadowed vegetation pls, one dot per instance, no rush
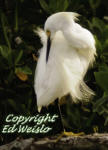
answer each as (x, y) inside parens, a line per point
(19, 47)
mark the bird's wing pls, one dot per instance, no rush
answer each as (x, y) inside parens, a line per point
(79, 37)
(82, 40)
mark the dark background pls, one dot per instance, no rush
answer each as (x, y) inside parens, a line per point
(18, 57)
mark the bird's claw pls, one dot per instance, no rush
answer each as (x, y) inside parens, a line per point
(69, 134)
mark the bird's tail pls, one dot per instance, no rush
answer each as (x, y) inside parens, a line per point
(87, 93)
(81, 93)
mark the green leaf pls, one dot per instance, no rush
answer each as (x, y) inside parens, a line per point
(99, 103)
(105, 46)
(105, 109)
(97, 23)
(44, 5)
(4, 23)
(4, 50)
(6, 53)
(13, 104)
(53, 5)
(103, 67)
(25, 110)
(102, 79)
(106, 121)
(19, 56)
(94, 3)
(16, 17)
(98, 45)
(21, 1)
(29, 103)
(10, 76)
(25, 70)
(91, 118)
(105, 32)
(66, 4)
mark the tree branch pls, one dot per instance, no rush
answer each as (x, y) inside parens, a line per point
(86, 142)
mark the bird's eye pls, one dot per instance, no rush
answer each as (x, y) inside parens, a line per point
(48, 33)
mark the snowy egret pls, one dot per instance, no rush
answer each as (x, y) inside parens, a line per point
(67, 53)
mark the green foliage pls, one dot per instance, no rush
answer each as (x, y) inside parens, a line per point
(18, 44)
(102, 79)
(54, 5)
(94, 3)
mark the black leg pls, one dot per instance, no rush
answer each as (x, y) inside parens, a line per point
(61, 118)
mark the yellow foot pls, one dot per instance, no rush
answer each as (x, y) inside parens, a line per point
(69, 134)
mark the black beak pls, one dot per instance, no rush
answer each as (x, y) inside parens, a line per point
(48, 48)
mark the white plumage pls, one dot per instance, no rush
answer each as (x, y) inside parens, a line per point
(72, 52)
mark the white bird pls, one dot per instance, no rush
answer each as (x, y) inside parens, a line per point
(67, 53)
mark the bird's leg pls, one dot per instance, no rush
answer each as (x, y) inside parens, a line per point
(61, 115)
(65, 133)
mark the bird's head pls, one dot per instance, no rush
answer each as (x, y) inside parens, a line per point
(58, 22)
